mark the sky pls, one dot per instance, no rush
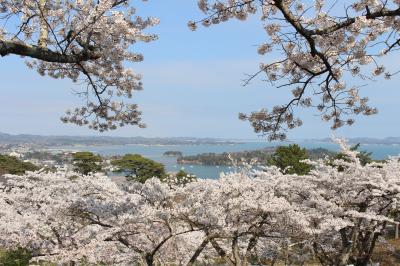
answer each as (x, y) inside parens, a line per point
(192, 86)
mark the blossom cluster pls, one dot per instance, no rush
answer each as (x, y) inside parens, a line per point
(322, 45)
(337, 213)
(86, 41)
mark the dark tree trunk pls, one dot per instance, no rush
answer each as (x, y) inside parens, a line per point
(149, 260)
(198, 252)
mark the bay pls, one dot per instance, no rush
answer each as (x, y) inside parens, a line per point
(155, 152)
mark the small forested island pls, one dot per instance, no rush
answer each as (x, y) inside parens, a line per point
(173, 153)
(229, 159)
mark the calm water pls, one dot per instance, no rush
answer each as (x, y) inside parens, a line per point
(155, 152)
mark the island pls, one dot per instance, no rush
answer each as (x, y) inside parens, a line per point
(173, 153)
(254, 156)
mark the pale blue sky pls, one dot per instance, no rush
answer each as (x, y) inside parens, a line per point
(192, 84)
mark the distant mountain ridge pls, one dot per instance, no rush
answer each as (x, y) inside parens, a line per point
(365, 140)
(42, 140)
(102, 140)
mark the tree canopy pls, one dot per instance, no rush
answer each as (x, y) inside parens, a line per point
(15, 257)
(180, 178)
(87, 42)
(139, 168)
(288, 159)
(248, 217)
(86, 162)
(324, 48)
(363, 156)
(13, 165)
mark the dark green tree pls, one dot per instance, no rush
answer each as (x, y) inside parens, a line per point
(363, 156)
(181, 178)
(138, 168)
(16, 257)
(288, 159)
(86, 162)
(13, 165)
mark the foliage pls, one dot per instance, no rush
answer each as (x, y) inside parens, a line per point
(12, 165)
(249, 157)
(173, 153)
(289, 160)
(317, 46)
(181, 178)
(138, 168)
(363, 156)
(86, 162)
(319, 153)
(337, 217)
(15, 257)
(47, 156)
(87, 42)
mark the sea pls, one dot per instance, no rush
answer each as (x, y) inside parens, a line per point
(155, 152)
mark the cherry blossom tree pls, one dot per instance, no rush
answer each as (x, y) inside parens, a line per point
(325, 49)
(248, 217)
(97, 221)
(87, 42)
(146, 223)
(348, 205)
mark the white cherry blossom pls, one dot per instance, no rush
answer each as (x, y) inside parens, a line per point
(88, 42)
(336, 214)
(320, 43)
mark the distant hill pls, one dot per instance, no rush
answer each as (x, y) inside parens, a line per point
(363, 140)
(107, 140)
(102, 140)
